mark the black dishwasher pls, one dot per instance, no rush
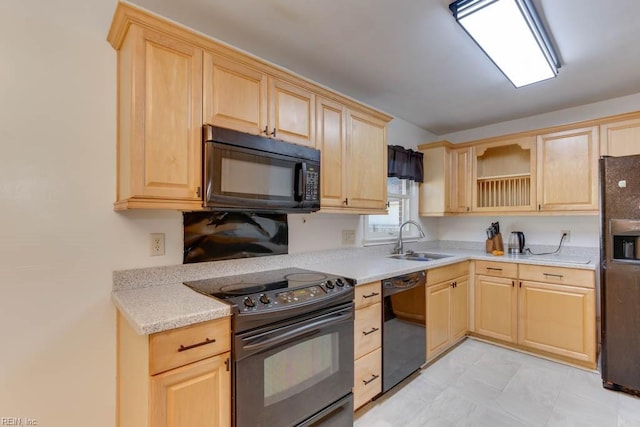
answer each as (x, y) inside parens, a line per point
(404, 327)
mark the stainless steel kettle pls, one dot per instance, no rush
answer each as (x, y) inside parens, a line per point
(516, 242)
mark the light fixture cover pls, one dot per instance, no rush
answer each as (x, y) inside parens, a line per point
(512, 36)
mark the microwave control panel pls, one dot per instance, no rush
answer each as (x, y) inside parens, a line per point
(313, 185)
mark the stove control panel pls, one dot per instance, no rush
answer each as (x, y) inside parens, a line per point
(277, 299)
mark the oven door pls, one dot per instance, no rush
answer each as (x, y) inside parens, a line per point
(287, 373)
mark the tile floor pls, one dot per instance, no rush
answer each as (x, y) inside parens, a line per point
(479, 384)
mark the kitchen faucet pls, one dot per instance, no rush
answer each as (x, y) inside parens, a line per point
(398, 247)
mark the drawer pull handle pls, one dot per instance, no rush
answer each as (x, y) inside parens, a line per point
(559, 276)
(370, 332)
(493, 268)
(371, 295)
(189, 347)
(373, 378)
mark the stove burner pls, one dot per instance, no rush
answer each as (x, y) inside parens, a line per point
(305, 277)
(242, 288)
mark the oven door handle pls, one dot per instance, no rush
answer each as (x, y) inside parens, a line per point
(274, 338)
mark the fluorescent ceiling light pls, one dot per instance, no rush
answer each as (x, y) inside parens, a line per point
(510, 33)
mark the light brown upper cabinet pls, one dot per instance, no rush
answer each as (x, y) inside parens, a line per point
(247, 99)
(353, 147)
(365, 163)
(568, 170)
(460, 192)
(621, 138)
(235, 95)
(331, 141)
(504, 175)
(434, 191)
(160, 117)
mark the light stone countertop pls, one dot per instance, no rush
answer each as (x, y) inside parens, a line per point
(160, 308)
(152, 305)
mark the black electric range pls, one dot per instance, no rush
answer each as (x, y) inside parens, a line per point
(269, 296)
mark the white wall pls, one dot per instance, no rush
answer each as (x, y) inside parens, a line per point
(538, 230)
(624, 104)
(401, 132)
(59, 237)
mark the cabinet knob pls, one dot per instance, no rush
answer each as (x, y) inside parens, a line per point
(273, 133)
(345, 201)
(198, 192)
(266, 130)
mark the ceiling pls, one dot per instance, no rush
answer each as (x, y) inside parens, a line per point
(410, 59)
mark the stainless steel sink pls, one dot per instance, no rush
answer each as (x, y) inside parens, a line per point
(420, 256)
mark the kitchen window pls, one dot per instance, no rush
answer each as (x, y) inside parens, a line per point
(402, 198)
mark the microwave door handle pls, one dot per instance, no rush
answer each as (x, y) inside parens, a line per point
(302, 180)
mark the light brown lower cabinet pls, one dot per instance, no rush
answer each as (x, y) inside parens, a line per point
(541, 308)
(175, 378)
(367, 343)
(447, 307)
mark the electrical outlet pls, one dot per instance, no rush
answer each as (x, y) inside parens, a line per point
(157, 244)
(348, 237)
(567, 238)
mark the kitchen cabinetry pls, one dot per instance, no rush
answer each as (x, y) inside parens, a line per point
(620, 138)
(557, 311)
(331, 141)
(367, 338)
(447, 296)
(247, 99)
(504, 175)
(175, 378)
(360, 186)
(172, 80)
(568, 170)
(460, 192)
(496, 300)
(548, 309)
(159, 122)
(434, 191)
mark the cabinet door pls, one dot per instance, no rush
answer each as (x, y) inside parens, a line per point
(198, 394)
(568, 170)
(438, 317)
(558, 319)
(620, 138)
(367, 381)
(434, 191)
(367, 330)
(366, 166)
(235, 96)
(332, 145)
(460, 180)
(292, 113)
(459, 308)
(159, 144)
(496, 307)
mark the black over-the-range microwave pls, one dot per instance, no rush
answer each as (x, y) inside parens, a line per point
(244, 172)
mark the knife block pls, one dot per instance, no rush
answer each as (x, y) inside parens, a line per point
(494, 244)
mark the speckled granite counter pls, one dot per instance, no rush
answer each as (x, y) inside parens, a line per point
(154, 299)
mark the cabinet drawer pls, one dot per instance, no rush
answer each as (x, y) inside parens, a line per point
(178, 347)
(558, 275)
(367, 381)
(448, 272)
(497, 269)
(367, 294)
(367, 330)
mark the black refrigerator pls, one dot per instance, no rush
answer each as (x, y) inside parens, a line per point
(620, 272)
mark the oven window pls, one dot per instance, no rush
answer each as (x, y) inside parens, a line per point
(299, 367)
(255, 178)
